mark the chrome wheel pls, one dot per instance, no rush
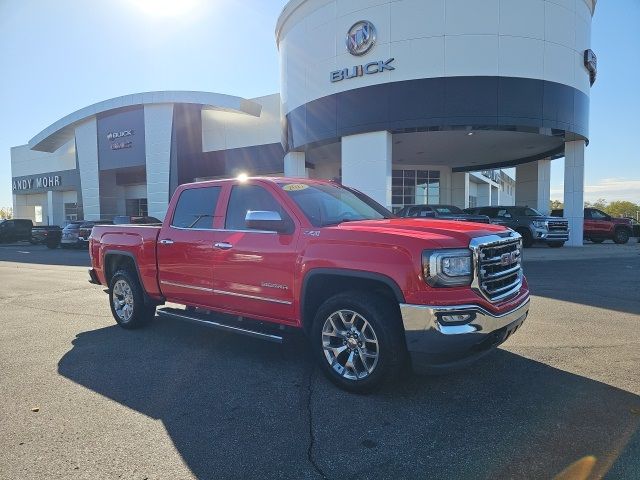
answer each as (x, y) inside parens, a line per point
(123, 300)
(350, 344)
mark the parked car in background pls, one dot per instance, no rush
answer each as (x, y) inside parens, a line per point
(635, 227)
(70, 234)
(129, 220)
(600, 226)
(441, 212)
(15, 230)
(48, 235)
(84, 232)
(528, 222)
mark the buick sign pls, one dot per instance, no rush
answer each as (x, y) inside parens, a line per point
(361, 37)
(116, 135)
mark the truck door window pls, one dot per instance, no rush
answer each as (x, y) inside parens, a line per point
(250, 197)
(196, 207)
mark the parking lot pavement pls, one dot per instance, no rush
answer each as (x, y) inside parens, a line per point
(178, 401)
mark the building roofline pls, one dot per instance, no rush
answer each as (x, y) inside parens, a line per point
(60, 132)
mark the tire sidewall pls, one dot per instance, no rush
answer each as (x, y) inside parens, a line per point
(141, 312)
(382, 319)
(621, 236)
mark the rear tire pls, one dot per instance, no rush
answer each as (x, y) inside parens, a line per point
(621, 236)
(597, 240)
(126, 299)
(52, 245)
(556, 244)
(358, 341)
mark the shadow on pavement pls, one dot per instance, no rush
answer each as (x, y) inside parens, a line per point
(609, 282)
(237, 407)
(41, 255)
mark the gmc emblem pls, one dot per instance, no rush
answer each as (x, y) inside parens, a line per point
(509, 258)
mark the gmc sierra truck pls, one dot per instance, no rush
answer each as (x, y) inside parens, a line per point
(375, 294)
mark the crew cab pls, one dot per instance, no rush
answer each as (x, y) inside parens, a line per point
(600, 226)
(374, 293)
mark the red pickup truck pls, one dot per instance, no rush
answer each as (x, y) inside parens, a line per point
(374, 293)
(599, 226)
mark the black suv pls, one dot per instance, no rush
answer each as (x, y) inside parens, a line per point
(531, 224)
(441, 212)
(15, 230)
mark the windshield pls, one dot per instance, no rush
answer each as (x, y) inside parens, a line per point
(447, 209)
(329, 204)
(526, 212)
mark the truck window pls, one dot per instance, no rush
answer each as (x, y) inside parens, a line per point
(249, 197)
(196, 207)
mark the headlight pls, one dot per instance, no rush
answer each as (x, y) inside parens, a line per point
(447, 268)
(540, 224)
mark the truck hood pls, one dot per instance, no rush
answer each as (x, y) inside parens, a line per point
(447, 233)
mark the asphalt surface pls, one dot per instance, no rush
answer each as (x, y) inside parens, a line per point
(176, 401)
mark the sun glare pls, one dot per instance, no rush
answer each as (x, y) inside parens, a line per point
(165, 8)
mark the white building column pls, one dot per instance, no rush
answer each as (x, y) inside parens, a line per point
(460, 189)
(366, 164)
(55, 208)
(158, 123)
(294, 165)
(574, 190)
(87, 154)
(484, 194)
(533, 185)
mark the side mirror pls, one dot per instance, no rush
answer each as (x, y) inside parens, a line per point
(266, 220)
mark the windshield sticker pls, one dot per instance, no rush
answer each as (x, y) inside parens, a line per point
(295, 187)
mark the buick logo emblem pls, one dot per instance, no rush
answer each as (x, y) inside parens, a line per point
(361, 37)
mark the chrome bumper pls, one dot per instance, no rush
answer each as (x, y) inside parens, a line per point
(435, 344)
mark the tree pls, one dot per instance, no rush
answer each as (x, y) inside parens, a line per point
(621, 208)
(556, 205)
(600, 204)
(6, 212)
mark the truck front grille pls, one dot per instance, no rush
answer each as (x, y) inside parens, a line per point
(558, 225)
(499, 269)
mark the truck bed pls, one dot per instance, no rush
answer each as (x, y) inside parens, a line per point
(136, 241)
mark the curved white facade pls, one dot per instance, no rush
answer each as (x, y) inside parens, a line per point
(538, 39)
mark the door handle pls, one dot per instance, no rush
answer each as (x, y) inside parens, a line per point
(166, 241)
(223, 245)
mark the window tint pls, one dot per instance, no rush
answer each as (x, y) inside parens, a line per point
(196, 207)
(249, 197)
(598, 215)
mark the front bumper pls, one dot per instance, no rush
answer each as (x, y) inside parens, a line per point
(434, 344)
(544, 235)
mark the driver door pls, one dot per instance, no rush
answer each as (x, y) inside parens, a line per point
(255, 268)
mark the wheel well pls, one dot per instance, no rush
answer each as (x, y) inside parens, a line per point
(320, 287)
(116, 261)
(622, 227)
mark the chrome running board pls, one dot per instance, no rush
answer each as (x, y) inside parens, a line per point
(208, 321)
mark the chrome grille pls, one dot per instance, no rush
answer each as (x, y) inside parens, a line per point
(558, 225)
(498, 267)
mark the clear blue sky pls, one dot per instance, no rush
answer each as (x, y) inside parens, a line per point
(60, 56)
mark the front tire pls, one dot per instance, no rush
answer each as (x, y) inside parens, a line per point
(621, 236)
(527, 238)
(358, 341)
(126, 299)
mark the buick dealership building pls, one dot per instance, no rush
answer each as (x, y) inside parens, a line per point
(409, 101)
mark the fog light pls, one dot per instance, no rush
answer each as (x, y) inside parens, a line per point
(460, 318)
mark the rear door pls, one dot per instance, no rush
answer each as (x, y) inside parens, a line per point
(255, 269)
(185, 248)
